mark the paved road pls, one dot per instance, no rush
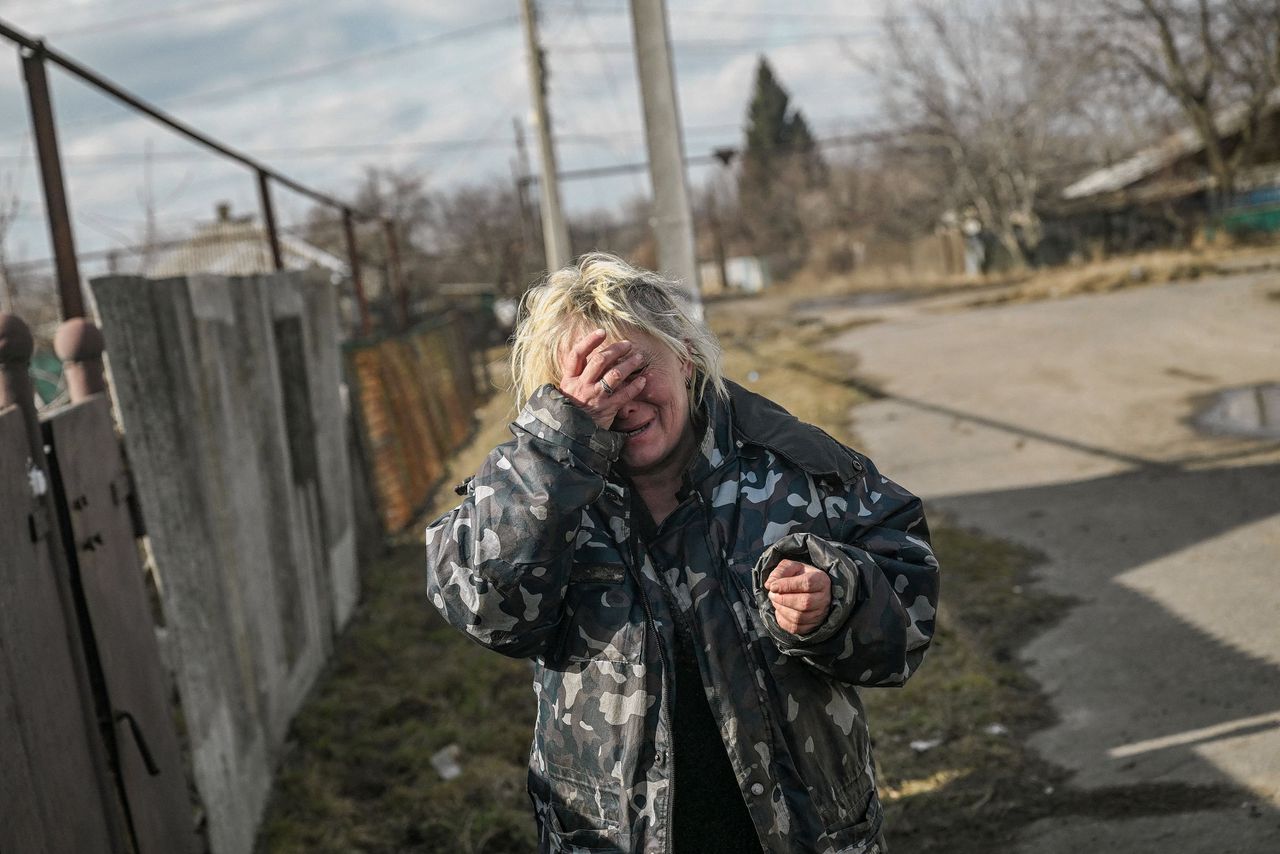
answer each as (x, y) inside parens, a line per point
(1063, 425)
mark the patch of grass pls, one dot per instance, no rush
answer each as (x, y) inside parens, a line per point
(1131, 271)
(969, 681)
(974, 791)
(403, 684)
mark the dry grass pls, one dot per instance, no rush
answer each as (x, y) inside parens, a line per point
(1147, 268)
(1151, 268)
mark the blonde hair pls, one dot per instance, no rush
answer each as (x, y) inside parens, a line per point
(602, 291)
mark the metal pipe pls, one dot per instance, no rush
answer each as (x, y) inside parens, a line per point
(269, 219)
(353, 260)
(55, 194)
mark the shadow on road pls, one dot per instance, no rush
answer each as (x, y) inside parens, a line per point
(1140, 690)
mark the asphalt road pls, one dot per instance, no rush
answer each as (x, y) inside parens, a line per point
(1064, 425)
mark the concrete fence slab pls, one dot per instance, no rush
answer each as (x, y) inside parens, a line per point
(227, 390)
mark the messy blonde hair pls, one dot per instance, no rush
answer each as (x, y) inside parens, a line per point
(602, 291)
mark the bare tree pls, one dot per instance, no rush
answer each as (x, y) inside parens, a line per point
(1218, 60)
(994, 95)
(396, 195)
(478, 236)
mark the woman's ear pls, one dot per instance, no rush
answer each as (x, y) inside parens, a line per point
(686, 363)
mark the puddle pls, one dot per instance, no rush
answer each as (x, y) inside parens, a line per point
(1250, 411)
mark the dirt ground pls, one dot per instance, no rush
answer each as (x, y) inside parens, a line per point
(403, 685)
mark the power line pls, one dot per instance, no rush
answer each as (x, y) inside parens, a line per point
(108, 24)
(44, 53)
(717, 157)
(337, 150)
(730, 44)
(286, 77)
(616, 99)
(677, 11)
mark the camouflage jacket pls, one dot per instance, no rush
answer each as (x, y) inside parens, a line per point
(541, 560)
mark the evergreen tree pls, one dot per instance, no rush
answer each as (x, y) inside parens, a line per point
(780, 160)
(768, 125)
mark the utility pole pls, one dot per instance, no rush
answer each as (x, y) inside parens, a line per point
(672, 215)
(521, 169)
(555, 234)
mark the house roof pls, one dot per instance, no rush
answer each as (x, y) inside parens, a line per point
(238, 247)
(1172, 148)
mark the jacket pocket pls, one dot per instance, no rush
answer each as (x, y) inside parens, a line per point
(584, 816)
(604, 620)
(861, 836)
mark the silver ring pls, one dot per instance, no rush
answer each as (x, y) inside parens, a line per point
(608, 389)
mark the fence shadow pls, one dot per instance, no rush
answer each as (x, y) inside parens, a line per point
(1141, 685)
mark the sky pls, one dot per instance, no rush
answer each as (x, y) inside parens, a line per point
(318, 89)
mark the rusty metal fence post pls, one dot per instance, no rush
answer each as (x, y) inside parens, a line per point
(269, 219)
(55, 193)
(353, 260)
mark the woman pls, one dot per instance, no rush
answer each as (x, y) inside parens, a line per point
(700, 579)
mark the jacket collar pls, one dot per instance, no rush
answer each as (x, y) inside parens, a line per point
(756, 421)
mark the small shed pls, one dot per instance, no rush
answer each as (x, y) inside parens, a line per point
(1161, 194)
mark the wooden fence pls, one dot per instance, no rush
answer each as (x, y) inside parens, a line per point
(414, 397)
(88, 745)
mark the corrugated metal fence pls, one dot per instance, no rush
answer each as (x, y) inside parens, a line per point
(414, 396)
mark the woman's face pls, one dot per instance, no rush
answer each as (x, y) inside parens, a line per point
(656, 423)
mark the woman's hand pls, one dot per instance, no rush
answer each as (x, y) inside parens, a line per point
(599, 379)
(801, 596)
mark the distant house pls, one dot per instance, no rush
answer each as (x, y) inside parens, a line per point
(238, 246)
(1161, 194)
(745, 274)
(234, 245)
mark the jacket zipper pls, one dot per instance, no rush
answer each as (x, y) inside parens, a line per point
(665, 708)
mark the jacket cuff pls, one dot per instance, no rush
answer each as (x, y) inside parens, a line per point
(817, 552)
(550, 415)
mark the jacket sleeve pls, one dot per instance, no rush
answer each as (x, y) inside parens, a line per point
(498, 564)
(884, 585)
